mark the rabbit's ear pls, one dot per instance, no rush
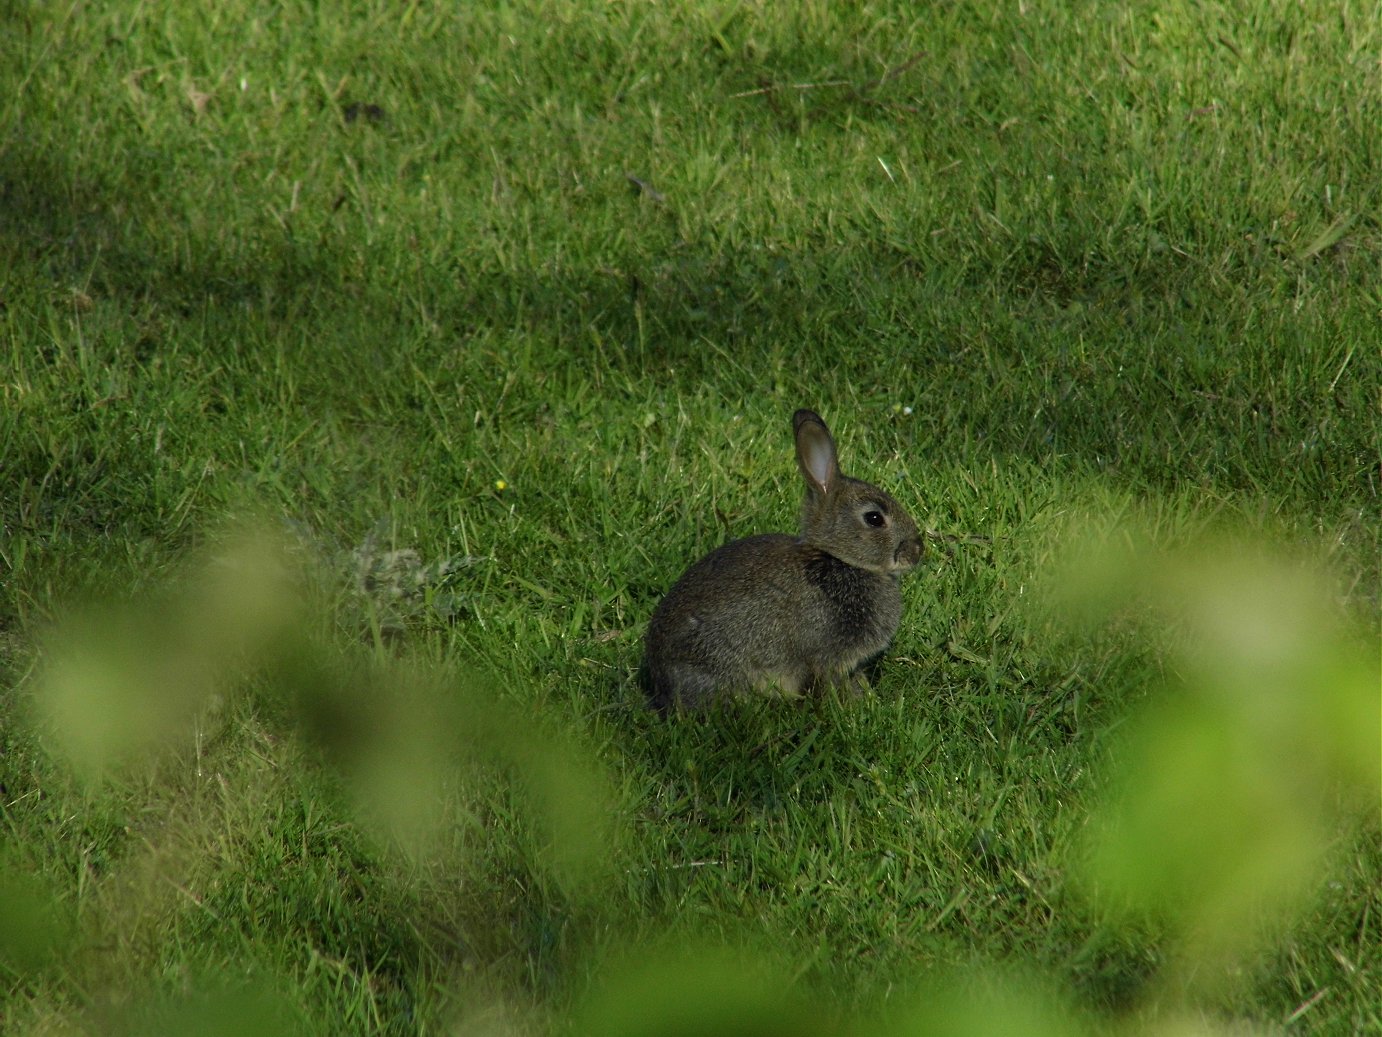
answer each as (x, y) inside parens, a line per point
(815, 452)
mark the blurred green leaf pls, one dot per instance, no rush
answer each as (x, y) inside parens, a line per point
(33, 927)
(403, 738)
(697, 991)
(129, 680)
(979, 1003)
(125, 683)
(1207, 829)
(218, 1008)
(1232, 783)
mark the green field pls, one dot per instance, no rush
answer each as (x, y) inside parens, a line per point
(371, 369)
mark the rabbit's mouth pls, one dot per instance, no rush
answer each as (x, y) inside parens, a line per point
(906, 556)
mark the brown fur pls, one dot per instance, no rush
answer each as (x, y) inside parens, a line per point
(795, 614)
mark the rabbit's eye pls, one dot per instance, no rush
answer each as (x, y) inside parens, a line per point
(875, 518)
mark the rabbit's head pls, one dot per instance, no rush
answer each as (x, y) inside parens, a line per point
(853, 520)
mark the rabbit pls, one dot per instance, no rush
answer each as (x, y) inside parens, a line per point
(796, 614)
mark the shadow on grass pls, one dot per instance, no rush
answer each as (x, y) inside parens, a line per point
(1139, 368)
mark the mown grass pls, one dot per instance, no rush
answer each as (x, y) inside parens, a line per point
(531, 291)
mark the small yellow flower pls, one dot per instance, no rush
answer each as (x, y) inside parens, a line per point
(500, 485)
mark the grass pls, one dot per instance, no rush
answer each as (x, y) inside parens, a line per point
(496, 315)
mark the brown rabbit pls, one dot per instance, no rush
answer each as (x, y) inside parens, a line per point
(796, 614)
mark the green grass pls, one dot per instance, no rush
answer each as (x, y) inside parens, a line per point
(1055, 274)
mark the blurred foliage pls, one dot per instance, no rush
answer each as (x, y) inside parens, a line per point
(699, 991)
(34, 927)
(128, 683)
(1225, 791)
(1229, 787)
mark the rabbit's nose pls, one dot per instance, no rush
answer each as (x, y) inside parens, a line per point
(908, 552)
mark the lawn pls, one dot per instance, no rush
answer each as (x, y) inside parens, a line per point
(370, 370)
